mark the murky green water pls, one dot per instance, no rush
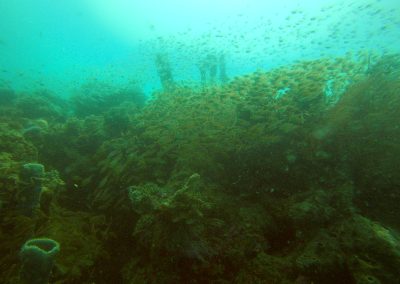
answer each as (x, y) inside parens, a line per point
(199, 141)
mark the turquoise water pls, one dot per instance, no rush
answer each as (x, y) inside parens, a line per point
(62, 44)
(192, 142)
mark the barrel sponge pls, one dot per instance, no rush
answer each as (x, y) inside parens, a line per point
(37, 257)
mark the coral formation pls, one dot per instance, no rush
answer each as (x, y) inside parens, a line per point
(7, 95)
(95, 98)
(41, 104)
(173, 222)
(285, 176)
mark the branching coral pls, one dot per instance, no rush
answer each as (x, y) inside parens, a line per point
(173, 222)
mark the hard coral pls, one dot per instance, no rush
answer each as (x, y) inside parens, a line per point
(173, 222)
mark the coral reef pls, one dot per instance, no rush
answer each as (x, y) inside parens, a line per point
(7, 95)
(173, 222)
(41, 104)
(95, 98)
(12, 142)
(285, 176)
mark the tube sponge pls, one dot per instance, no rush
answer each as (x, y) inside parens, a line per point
(29, 197)
(37, 257)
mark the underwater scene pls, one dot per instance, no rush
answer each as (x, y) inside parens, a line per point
(189, 141)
